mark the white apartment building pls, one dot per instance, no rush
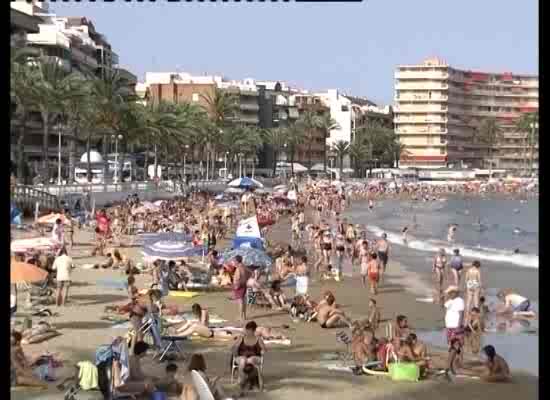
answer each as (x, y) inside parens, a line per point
(440, 110)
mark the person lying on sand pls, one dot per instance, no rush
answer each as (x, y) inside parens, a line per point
(514, 304)
(329, 316)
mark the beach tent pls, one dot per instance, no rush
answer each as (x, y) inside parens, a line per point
(248, 234)
(172, 250)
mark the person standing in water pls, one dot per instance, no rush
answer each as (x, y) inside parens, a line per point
(451, 233)
(404, 232)
(473, 286)
(383, 250)
(456, 267)
(438, 270)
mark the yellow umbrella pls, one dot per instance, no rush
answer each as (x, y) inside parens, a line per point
(21, 272)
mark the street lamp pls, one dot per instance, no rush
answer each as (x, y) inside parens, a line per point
(240, 164)
(185, 160)
(116, 138)
(59, 127)
(225, 164)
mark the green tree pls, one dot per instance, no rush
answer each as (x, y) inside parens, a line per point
(276, 138)
(295, 136)
(528, 126)
(490, 134)
(341, 149)
(326, 124)
(22, 81)
(50, 90)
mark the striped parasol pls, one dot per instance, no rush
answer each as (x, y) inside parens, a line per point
(172, 250)
(251, 257)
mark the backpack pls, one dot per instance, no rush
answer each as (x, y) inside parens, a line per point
(104, 378)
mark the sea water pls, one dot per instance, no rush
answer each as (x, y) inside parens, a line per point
(488, 230)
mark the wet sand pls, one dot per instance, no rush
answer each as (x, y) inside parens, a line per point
(290, 372)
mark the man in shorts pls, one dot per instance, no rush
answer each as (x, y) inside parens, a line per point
(63, 265)
(383, 251)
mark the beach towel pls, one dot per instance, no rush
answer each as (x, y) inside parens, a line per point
(214, 319)
(122, 325)
(185, 295)
(87, 375)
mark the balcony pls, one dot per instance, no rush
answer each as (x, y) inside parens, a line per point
(420, 131)
(420, 108)
(249, 107)
(420, 97)
(421, 75)
(421, 86)
(416, 120)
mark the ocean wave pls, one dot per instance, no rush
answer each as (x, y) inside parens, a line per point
(481, 253)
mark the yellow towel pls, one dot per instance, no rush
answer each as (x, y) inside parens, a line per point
(185, 295)
(87, 375)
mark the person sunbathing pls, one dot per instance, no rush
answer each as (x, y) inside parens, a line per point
(198, 327)
(329, 316)
(276, 296)
(23, 366)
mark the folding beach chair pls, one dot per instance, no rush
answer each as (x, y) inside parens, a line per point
(164, 344)
(235, 367)
(347, 356)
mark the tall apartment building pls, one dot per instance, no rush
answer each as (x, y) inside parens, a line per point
(74, 44)
(183, 87)
(439, 111)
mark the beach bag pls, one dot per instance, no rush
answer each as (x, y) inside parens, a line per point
(302, 285)
(404, 372)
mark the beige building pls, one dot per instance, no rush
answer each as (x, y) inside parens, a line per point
(439, 110)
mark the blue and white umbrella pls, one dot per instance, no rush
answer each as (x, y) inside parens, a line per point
(172, 250)
(251, 257)
(151, 238)
(245, 183)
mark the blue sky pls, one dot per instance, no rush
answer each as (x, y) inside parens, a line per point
(354, 47)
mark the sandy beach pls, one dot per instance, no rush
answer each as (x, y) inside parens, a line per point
(291, 372)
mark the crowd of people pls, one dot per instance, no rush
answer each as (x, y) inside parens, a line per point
(324, 245)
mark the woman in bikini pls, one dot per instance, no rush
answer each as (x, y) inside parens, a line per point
(248, 350)
(373, 268)
(438, 271)
(340, 245)
(326, 246)
(200, 326)
(473, 287)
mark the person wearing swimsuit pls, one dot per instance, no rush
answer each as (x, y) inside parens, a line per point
(438, 270)
(248, 350)
(373, 268)
(473, 287)
(340, 252)
(364, 258)
(326, 245)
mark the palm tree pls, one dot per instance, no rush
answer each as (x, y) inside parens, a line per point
(111, 102)
(526, 125)
(341, 149)
(276, 138)
(490, 134)
(309, 122)
(295, 136)
(22, 80)
(221, 107)
(50, 90)
(326, 124)
(359, 153)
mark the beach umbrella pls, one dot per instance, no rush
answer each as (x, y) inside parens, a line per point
(245, 183)
(22, 272)
(51, 218)
(251, 257)
(152, 238)
(172, 250)
(34, 244)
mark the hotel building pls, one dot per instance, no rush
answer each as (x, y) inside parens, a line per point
(439, 111)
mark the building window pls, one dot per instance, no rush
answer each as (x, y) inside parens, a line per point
(441, 151)
(195, 97)
(345, 108)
